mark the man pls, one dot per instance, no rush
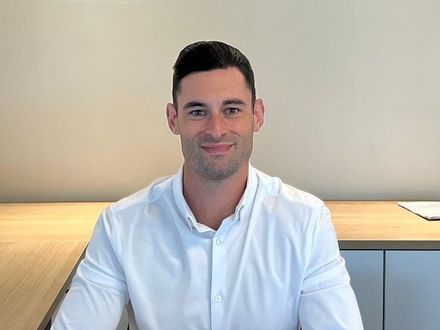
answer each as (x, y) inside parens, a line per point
(220, 245)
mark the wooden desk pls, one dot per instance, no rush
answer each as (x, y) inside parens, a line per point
(41, 245)
(382, 225)
(48, 221)
(33, 274)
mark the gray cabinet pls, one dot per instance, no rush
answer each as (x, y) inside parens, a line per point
(366, 272)
(412, 290)
(396, 290)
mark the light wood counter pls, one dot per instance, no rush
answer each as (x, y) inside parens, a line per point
(33, 275)
(41, 245)
(382, 225)
(48, 221)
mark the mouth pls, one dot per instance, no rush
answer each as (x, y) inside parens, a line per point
(217, 149)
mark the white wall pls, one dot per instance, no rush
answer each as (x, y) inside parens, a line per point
(352, 91)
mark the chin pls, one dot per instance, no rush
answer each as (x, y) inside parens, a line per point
(217, 173)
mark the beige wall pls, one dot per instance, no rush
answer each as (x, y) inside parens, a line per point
(352, 91)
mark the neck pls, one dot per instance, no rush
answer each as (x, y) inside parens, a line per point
(212, 201)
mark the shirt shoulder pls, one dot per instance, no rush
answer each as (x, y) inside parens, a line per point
(144, 198)
(286, 194)
(290, 209)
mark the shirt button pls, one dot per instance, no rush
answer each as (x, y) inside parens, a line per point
(218, 241)
(218, 298)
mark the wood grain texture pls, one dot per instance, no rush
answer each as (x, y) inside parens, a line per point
(381, 225)
(48, 221)
(40, 246)
(33, 279)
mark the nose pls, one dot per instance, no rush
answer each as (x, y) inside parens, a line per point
(216, 125)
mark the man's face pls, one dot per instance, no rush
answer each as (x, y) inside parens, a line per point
(216, 122)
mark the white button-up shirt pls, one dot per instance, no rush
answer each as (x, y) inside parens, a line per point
(273, 264)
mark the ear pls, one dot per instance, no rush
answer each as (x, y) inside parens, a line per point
(172, 119)
(258, 114)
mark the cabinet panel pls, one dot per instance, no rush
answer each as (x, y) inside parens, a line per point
(412, 290)
(366, 272)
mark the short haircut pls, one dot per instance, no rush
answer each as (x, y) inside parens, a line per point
(210, 55)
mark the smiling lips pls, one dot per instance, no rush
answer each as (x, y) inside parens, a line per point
(216, 149)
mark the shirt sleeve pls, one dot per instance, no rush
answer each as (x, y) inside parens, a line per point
(98, 294)
(327, 300)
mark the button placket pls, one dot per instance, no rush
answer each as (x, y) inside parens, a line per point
(218, 282)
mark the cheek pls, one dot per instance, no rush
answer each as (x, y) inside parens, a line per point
(243, 128)
(191, 129)
(188, 143)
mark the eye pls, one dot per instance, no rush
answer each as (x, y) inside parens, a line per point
(197, 113)
(232, 111)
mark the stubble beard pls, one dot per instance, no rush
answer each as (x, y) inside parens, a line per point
(218, 167)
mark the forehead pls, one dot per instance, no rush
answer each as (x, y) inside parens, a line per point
(219, 83)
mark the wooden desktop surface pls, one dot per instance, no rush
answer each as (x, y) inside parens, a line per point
(382, 225)
(41, 245)
(33, 275)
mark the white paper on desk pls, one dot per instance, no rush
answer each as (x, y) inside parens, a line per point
(427, 210)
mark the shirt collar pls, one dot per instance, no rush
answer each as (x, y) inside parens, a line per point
(186, 213)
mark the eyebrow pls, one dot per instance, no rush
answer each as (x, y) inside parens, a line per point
(195, 104)
(234, 101)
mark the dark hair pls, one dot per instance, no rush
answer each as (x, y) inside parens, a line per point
(209, 55)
